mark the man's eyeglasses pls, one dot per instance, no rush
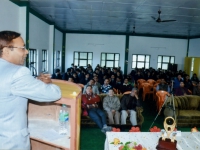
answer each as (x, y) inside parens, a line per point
(23, 48)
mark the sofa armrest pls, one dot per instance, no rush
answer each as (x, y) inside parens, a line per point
(140, 118)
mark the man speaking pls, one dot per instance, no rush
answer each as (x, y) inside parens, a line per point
(16, 87)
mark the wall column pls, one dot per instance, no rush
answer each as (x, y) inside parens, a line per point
(126, 55)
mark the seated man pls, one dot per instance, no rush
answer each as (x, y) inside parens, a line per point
(95, 89)
(128, 107)
(105, 87)
(89, 105)
(181, 91)
(163, 86)
(56, 75)
(196, 89)
(126, 86)
(111, 105)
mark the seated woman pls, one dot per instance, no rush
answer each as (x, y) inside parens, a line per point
(181, 91)
(90, 106)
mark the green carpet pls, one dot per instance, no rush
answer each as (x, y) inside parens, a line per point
(93, 139)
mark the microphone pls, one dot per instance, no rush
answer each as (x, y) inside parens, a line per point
(31, 66)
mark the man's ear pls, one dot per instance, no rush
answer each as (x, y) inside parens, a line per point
(5, 51)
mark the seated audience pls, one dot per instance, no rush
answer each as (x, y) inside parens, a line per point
(111, 105)
(181, 91)
(194, 78)
(56, 75)
(163, 86)
(188, 82)
(112, 80)
(177, 81)
(66, 75)
(96, 82)
(89, 104)
(126, 86)
(80, 75)
(75, 78)
(86, 79)
(128, 107)
(95, 89)
(118, 85)
(105, 87)
(70, 79)
(148, 76)
(196, 89)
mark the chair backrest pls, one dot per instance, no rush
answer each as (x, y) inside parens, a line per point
(161, 94)
(158, 81)
(156, 84)
(151, 81)
(140, 80)
(147, 87)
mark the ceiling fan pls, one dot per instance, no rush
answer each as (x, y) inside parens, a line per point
(159, 19)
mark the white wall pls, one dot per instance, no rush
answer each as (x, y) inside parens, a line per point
(157, 46)
(95, 43)
(58, 44)
(39, 38)
(9, 14)
(194, 48)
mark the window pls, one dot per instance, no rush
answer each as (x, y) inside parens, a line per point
(44, 60)
(83, 58)
(163, 61)
(57, 59)
(33, 61)
(140, 61)
(110, 59)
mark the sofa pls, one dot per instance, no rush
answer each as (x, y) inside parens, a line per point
(187, 110)
(140, 119)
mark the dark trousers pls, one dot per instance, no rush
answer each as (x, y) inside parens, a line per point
(98, 116)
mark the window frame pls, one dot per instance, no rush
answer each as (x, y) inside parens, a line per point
(44, 60)
(57, 59)
(140, 61)
(110, 59)
(33, 61)
(165, 62)
(82, 58)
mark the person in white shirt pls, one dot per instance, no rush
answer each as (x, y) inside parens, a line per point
(17, 86)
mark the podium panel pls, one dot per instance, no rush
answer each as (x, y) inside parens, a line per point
(43, 120)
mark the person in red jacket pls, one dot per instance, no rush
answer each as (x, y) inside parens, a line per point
(89, 104)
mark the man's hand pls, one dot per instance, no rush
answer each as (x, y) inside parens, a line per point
(45, 78)
(113, 112)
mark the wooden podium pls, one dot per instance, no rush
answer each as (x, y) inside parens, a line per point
(43, 118)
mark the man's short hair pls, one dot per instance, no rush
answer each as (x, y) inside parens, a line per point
(6, 38)
(134, 89)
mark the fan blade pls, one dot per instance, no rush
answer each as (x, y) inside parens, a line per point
(167, 20)
(153, 17)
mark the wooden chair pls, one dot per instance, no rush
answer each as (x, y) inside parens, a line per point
(158, 81)
(151, 81)
(139, 83)
(147, 89)
(161, 98)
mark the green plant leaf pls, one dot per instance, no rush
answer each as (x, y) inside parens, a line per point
(135, 144)
(112, 143)
(127, 143)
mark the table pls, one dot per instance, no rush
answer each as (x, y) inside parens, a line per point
(149, 140)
